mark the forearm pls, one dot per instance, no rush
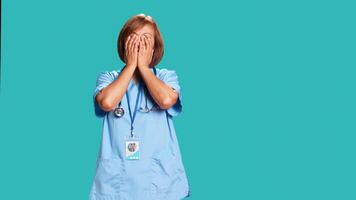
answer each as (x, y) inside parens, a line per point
(112, 94)
(162, 93)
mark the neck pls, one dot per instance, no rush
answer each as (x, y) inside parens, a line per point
(136, 76)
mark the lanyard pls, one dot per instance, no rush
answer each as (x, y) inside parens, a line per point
(132, 117)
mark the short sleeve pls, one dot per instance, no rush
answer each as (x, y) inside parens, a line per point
(170, 77)
(103, 79)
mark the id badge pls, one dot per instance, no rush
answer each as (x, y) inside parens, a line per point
(132, 149)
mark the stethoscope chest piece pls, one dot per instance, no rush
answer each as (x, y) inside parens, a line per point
(119, 112)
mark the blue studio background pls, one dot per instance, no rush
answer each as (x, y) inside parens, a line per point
(269, 95)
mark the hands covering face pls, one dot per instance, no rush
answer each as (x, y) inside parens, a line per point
(139, 50)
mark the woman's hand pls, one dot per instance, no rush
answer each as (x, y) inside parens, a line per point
(131, 50)
(145, 52)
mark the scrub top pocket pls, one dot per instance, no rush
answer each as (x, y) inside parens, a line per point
(108, 179)
(165, 175)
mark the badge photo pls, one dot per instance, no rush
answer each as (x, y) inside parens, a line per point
(132, 149)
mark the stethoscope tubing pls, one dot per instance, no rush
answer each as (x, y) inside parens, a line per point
(119, 111)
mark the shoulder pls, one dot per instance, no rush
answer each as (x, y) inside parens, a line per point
(108, 74)
(165, 72)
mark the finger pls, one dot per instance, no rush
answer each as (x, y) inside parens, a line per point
(127, 41)
(150, 39)
(146, 43)
(151, 51)
(149, 48)
(137, 43)
(128, 44)
(127, 47)
(141, 44)
(133, 43)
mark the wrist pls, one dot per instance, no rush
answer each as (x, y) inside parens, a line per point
(143, 66)
(130, 66)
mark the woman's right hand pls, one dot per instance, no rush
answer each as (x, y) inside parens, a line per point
(131, 50)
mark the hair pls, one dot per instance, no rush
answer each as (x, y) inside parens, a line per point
(137, 22)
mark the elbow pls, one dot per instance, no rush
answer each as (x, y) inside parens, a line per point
(104, 103)
(107, 105)
(167, 103)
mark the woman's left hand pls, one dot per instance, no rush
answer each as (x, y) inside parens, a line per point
(145, 52)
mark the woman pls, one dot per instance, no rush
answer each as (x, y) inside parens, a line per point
(139, 157)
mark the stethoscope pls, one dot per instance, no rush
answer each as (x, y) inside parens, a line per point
(119, 111)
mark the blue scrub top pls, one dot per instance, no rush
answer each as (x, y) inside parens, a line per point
(159, 173)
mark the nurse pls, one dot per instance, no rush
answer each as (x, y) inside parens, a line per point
(139, 156)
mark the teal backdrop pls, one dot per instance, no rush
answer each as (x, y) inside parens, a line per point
(268, 91)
